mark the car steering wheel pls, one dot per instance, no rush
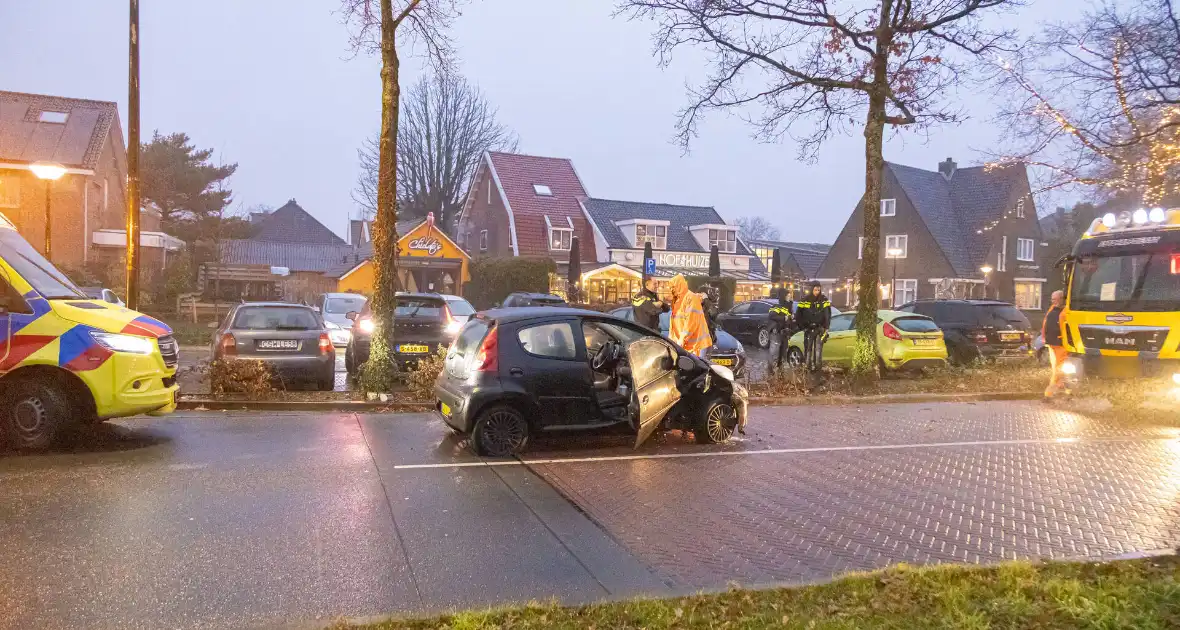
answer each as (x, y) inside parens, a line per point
(606, 355)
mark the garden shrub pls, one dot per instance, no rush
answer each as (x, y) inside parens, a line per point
(492, 279)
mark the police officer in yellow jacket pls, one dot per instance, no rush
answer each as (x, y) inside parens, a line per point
(782, 327)
(647, 305)
(813, 314)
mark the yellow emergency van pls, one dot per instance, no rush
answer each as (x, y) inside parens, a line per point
(67, 359)
(1122, 302)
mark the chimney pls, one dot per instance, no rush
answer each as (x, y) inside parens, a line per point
(947, 168)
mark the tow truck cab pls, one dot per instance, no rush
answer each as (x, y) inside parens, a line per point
(1122, 305)
(66, 359)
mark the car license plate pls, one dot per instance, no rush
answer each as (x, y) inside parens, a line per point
(446, 409)
(411, 348)
(723, 361)
(926, 342)
(1014, 336)
(278, 344)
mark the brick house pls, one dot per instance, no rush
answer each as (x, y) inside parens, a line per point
(526, 206)
(953, 232)
(88, 203)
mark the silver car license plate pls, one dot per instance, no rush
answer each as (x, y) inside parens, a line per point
(277, 344)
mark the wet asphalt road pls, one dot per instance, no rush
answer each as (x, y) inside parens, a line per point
(225, 520)
(231, 521)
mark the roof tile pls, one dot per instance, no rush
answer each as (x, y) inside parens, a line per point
(77, 143)
(606, 212)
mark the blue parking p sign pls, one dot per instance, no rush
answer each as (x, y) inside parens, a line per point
(649, 266)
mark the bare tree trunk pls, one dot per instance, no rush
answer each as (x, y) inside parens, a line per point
(379, 369)
(864, 356)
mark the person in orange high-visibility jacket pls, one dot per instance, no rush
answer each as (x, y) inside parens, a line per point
(689, 328)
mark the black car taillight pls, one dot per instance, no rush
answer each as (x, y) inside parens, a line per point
(487, 359)
(980, 337)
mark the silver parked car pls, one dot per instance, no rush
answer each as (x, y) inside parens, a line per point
(290, 338)
(461, 310)
(335, 306)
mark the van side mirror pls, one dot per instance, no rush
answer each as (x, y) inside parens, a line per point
(351, 315)
(684, 363)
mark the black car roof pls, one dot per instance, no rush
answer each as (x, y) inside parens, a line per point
(536, 312)
(536, 295)
(963, 301)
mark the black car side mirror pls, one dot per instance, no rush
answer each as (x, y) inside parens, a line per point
(666, 363)
(351, 315)
(684, 363)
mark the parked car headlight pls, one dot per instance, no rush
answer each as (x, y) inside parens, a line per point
(331, 326)
(116, 342)
(366, 326)
(453, 327)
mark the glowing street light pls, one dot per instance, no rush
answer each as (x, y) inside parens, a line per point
(986, 269)
(893, 253)
(50, 173)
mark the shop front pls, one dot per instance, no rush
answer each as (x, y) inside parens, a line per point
(428, 261)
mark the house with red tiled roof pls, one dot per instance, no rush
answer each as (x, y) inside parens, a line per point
(84, 210)
(527, 206)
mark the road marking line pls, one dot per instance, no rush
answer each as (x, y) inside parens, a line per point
(781, 451)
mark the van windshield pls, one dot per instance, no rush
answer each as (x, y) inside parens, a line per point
(38, 272)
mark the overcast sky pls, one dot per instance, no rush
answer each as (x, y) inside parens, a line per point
(272, 86)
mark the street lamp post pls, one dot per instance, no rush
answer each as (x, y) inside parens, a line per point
(986, 269)
(893, 253)
(50, 173)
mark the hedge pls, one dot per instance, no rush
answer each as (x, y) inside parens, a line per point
(492, 279)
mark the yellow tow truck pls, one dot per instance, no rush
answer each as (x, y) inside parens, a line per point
(1122, 302)
(66, 359)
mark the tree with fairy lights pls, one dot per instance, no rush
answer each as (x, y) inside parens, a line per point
(1096, 104)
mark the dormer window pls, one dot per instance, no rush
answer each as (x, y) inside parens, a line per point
(54, 117)
(543, 190)
(657, 235)
(560, 238)
(725, 240)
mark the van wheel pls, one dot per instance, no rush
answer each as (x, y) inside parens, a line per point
(717, 423)
(764, 337)
(500, 432)
(34, 414)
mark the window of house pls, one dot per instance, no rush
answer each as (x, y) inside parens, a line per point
(106, 194)
(1028, 295)
(1020, 208)
(904, 291)
(9, 191)
(54, 117)
(559, 238)
(1002, 259)
(860, 247)
(489, 192)
(725, 240)
(888, 207)
(1024, 249)
(542, 189)
(897, 245)
(657, 235)
(483, 240)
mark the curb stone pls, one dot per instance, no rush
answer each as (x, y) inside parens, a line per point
(211, 404)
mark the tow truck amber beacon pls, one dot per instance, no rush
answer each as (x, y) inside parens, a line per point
(1122, 303)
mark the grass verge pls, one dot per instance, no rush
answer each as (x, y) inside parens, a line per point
(980, 378)
(1123, 594)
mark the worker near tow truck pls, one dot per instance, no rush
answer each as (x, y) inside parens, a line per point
(1051, 333)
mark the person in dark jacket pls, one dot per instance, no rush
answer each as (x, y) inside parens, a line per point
(813, 315)
(647, 305)
(1051, 333)
(781, 320)
(712, 305)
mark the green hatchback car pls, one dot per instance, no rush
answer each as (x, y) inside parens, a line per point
(905, 341)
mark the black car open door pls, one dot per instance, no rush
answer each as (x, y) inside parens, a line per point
(653, 372)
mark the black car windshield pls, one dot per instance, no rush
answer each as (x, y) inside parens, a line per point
(1002, 315)
(275, 318)
(1132, 282)
(343, 304)
(418, 307)
(547, 301)
(38, 272)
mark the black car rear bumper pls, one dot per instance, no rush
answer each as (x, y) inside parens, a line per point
(459, 406)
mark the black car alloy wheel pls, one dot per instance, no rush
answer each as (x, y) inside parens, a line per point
(500, 432)
(720, 422)
(794, 357)
(764, 338)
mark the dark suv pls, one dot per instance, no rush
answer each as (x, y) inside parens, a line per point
(422, 324)
(973, 329)
(749, 321)
(522, 298)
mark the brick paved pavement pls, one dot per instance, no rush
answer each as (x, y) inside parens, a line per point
(1059, 485)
